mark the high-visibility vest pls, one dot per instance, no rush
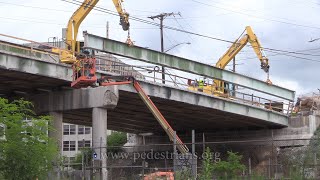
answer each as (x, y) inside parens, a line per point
(78, 66)
(201, 84)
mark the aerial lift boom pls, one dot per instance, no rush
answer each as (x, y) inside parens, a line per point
(68, 55)
(85, 76)
(84, 65)
(151, 106)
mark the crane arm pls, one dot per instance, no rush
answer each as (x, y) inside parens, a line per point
(239, 44)
(124, 16)
(232, 52)
(75, 21)
(258, 49)
(236, 48)
(68, 55)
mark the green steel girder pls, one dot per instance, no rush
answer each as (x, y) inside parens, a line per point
(158, 58)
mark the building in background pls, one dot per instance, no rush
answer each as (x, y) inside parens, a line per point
(74, 138)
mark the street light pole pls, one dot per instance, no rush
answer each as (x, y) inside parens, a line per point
(177, 45)
(313, 40)
(161, 17)
(234, 70)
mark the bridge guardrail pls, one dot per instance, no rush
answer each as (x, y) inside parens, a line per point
(153, 75)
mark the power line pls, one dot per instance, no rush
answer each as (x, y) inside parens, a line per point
(147, 22)
(184, 31)
(259, 17)
(34, 7)
(51, 9)
(60, 24)
(288, 54)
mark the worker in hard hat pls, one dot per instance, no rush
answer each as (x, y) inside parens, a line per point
(201, 85)
(77, 67)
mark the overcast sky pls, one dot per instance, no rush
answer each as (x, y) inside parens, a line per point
(279, 24)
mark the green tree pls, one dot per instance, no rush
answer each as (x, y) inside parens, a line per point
(26, 152)
(184, 174)
(115, 140)
(207, 166)
(231, 168)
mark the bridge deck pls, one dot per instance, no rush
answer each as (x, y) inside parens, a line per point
(32, 73)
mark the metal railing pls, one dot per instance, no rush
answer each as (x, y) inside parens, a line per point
(153, 74)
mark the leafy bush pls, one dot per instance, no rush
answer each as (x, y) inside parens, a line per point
(115, 141)
(207, 166)
(183, 175)
(231, 168)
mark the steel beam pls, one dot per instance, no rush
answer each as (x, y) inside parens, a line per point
(174, 62)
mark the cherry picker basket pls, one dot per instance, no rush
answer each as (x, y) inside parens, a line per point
(84, 72)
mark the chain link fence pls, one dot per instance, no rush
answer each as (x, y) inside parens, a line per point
(262, 158)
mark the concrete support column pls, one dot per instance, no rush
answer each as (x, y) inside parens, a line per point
(99, 137)
(57, 125)
(312, 124)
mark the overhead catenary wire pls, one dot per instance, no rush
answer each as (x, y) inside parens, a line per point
(287, 54)
(255, 16)
(168, 27)
(52, 9)
(97, 8)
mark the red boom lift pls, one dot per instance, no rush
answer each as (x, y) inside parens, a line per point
(84, 75)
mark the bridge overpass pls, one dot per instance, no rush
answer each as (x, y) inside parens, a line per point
(38, 75)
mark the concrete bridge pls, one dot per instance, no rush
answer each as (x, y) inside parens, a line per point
(37, 75)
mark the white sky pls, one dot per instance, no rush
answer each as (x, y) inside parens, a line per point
(279, 24)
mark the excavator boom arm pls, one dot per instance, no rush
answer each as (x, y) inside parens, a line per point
(258, 49)
(73, 46)
(75, 21)
(124, 16)
(239, 44)
(232, 52)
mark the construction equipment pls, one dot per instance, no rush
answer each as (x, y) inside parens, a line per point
(220, 87)
(160, 175)
(84, 76)
(307, 103)
(72, 50)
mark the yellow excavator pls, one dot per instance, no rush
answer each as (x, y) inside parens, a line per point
(218, 87)
(68, 55)
(84, 70)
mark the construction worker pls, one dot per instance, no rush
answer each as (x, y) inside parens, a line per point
(77, 69)
(201, 85)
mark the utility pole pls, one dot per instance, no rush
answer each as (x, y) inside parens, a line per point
(234, 65)
(161, 17)
(234, 70)
(107, 33)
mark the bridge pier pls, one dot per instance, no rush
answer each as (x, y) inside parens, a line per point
(99, 138)
(74, 106)
(56, 133)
